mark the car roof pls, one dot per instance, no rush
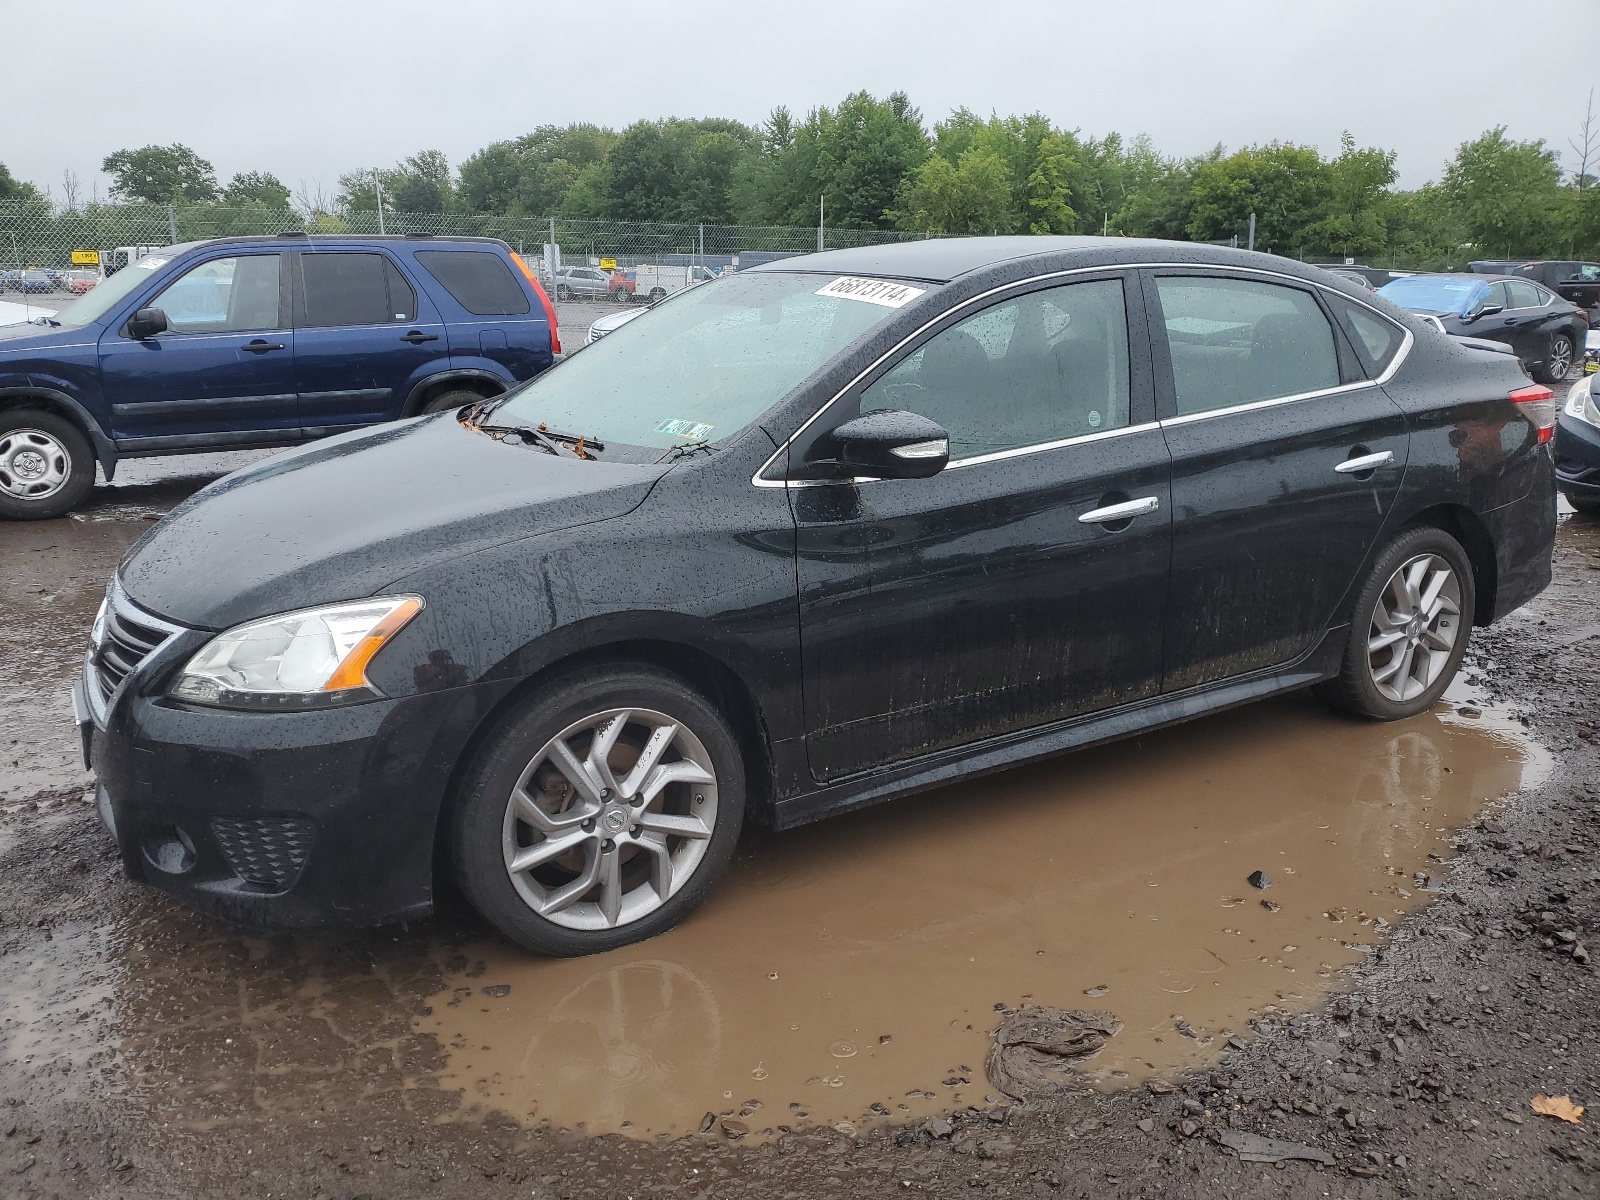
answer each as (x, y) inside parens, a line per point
(295, 236)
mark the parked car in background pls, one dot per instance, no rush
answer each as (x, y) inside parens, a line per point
(1359, 278)
(33, 281)
(651, 282)
(259, 341)
(582, 283)
(809, 537)
(623, 286)
(1546, 331)
(1576, 281)
(607, 324)
(1577, 447)
(79, 282)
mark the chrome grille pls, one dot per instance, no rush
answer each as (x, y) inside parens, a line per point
(123, 638)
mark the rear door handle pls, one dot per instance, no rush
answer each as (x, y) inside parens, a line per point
(1367, 462)
(416, 337)
(1120, 512)
(261, 347)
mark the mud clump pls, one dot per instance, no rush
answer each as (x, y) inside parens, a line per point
(1035, 1047)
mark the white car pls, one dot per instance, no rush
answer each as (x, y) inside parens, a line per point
(615, 321)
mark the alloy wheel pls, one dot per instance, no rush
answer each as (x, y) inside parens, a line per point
(1560, 357)
(609, 819)
(34, 465)
(1415, 624)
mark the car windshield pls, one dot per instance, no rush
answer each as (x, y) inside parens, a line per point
(1433, 293)
(94, 304)
(706, 363)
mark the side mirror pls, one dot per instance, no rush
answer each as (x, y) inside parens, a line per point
(146, 323)
(893, 444)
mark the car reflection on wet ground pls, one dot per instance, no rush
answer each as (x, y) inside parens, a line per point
(846, 973)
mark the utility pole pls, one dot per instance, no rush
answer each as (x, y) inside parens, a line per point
(377, 186)
(822, 211)
(1252, 244)
(172, 225)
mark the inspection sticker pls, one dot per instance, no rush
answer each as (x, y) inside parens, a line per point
(873, 291)
(676, 427)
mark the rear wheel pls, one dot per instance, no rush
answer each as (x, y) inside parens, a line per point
(1557, 360)
(46, 465)
(1587, 505)
(448, 401)
(1408, 630)
(599, 812)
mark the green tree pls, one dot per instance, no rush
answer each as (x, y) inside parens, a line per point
(1507, 195)
(1156, 193)
(531, 175)
(1285, 185)
(671, 170)
(969, 197)
(422, 183)
(1049, 192)
(257, 187)
(161, 175)
(1353, 220)
(14, 189)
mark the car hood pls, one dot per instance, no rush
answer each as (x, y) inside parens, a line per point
(27, 335)
(348, 516)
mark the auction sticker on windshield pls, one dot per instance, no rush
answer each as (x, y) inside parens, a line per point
(873, 291)
(677, 427)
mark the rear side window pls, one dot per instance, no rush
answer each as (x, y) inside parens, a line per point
(1235, 341)
(1377, 341)
(1526, 295)
(355, 289)
(479, 280)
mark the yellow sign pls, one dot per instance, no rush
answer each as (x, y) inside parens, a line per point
(86, 258)
(608, 264)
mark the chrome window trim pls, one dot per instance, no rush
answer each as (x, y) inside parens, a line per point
(119, 601)
(1387, 374)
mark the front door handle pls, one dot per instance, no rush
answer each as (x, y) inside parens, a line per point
(261, 347)
(416, 337)
(1367, 462)
(1120, 512)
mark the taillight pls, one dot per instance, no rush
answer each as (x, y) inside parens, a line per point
(1538, 404)
(549, 309)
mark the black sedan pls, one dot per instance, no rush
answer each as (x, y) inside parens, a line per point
(811, 536)
(1577, 448)
(1546, 331)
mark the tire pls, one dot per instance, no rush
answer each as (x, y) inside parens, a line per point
(513, 775)
(656, 294)
(46, 465)
(620, 296)
(1587, 505)
(450, 400)
(563, 292)
(1557, 360)
(1404, 570)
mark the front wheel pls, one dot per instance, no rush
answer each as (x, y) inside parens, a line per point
(46, 465)
(1408, 630)
(1557, 362)
(599, 812)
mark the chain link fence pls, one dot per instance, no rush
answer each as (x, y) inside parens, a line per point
(38, 238)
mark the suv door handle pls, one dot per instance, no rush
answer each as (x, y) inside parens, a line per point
(261, 347)
(1367, 462)
(416, 337)
(1119, 512)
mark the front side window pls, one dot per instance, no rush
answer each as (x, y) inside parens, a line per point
(1236, 341)
(224, 295)
(1497, 295)
(704, 364)
(1042, 367)
(354, 289)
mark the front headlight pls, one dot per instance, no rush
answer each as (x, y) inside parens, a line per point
(309, 659)
(1580, 402)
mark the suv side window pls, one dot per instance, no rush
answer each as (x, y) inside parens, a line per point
(1376, 340)
(1041, 367)
(224, 295)
(345, 288)
(1236, 341)
(479, 280)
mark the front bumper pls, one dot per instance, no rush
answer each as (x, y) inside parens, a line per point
(275, 820)
(1577, 455)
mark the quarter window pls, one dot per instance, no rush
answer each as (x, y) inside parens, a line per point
(225, 295)
(479, 280)
(1236, 341)
(1377, 341)
(1040, 368)
(355, 289)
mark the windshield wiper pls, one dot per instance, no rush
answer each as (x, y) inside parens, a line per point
(526, 432)
(580, 443)
(685, 450)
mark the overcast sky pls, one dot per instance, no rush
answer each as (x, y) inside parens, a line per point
(308, 90)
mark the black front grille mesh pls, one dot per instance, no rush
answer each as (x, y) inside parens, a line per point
(265, 851)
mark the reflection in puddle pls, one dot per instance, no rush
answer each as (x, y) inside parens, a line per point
(853, 968)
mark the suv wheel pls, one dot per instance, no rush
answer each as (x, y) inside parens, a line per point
(1408, 630)
(448, 401)
(599, 812)
(1557, 360)
(46, 465)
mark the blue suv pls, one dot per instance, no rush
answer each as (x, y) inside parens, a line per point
(243, 342)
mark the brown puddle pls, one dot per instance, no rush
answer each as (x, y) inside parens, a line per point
(851, 970)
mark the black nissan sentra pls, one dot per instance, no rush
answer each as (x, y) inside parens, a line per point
(825, 532)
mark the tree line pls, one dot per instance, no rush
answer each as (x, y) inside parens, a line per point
(872, 163)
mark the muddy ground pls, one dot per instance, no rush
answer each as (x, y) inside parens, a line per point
(1415, 974)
